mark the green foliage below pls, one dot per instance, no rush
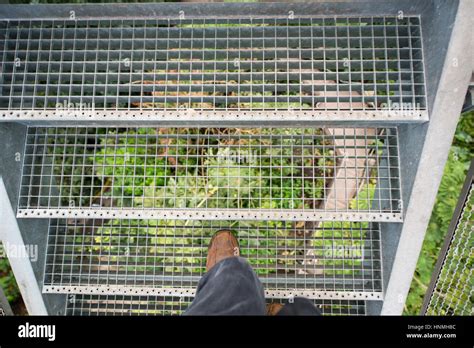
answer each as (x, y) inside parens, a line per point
(208, 174)
(7, 280)
(460, 155)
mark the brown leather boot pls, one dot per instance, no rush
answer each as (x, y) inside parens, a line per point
(223, 245)
(273, 308)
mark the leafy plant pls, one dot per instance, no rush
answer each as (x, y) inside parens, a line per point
(204, 174)
(7, 279)
(460, 155)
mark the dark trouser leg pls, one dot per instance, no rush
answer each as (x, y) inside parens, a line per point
(299, 306)
(231, 287)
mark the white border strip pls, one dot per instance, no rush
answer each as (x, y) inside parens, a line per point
(189, 292)
(207, 214)
(211, 115)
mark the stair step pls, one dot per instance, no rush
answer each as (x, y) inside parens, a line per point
(91, 305)
(236, 68)
(321, 260)
(324, 174)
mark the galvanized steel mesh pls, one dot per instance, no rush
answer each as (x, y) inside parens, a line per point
(119, 305)
(310, 259)
(230, 68)
(453, 291)
(325, 174)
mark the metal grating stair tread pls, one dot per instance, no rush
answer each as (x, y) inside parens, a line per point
(271, 68)
(332, 260)
(299, 174)
(94, 305)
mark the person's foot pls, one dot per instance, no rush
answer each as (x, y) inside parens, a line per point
(273, 308)
(222, 246)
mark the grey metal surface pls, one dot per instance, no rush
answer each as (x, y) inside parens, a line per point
(331, 260)
(215, 10)
(87, 305)
(343, 68)
(209, 173)
(450, 291)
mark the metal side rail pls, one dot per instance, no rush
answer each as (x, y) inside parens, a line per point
(450, 291)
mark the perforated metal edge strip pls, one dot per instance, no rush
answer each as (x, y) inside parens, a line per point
(221, 214)
(190, 115)
(180, 292)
